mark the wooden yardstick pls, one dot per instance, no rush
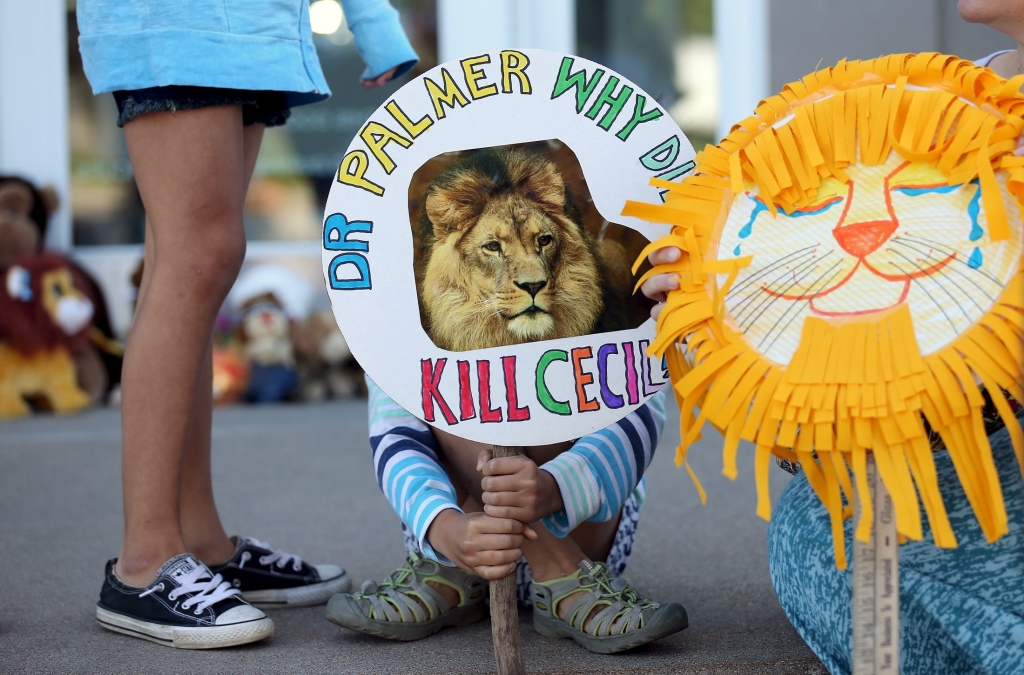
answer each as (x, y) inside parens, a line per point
(876, 587)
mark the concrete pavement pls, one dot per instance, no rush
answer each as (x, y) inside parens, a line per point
(300, 477)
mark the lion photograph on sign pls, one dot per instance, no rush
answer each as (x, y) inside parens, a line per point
(510, 249)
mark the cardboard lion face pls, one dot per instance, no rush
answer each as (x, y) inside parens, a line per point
(894, 233)
(852, 269)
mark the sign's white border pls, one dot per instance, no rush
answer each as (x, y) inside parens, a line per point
(621, 137)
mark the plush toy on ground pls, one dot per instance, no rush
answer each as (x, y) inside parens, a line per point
(325, 364)
(44, 320)
(267, 345)
(24, 214)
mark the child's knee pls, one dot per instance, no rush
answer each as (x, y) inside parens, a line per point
(212, 259)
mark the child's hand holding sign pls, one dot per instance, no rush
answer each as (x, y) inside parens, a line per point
(515, 487)
(486, 546)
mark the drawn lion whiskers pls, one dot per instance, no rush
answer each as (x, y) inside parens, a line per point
(797, 306)
(901, 241)
(770, 299)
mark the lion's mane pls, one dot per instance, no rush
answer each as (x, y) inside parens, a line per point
(28, 326)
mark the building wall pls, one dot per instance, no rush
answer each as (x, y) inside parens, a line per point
(805, 35)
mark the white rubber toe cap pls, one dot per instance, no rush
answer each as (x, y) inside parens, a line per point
(240, 614)
(328, 572)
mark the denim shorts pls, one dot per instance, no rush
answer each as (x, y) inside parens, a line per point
(258, 107)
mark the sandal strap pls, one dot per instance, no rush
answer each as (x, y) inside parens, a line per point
(391, 604)
(611, 605)
(406, 597)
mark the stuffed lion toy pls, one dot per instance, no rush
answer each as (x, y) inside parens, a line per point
(44, 318)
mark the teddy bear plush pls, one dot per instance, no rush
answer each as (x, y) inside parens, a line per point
(326, 366)
(25, 212)
(45, 319)
(265, 332)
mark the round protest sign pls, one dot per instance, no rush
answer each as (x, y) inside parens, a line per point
(474, 253)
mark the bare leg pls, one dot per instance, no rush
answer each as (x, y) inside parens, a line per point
(201, 527)
(190, 172)
(549, 556)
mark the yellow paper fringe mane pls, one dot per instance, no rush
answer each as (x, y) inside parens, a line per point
(859, 385)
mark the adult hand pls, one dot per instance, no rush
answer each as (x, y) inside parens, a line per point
(516, 488)
(378, 81)
(485, 546)
(657, 287)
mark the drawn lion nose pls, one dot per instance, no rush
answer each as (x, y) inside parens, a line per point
(861, 239)
(532, 287)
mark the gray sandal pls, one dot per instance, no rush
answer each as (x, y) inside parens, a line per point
(395, 609)
(626, 620)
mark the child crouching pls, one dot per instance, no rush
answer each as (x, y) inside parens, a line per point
(563, 516)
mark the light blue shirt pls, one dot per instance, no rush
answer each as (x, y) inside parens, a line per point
(259, 45)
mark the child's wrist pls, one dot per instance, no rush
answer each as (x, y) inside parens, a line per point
(550, 494)
(439, 533)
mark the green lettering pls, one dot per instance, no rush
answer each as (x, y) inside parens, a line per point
(578, 80)
(543, 395)
(662, 155)
(614, 103)
(639, 117)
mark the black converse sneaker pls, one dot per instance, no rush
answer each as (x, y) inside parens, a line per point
(269, 577)
(185, 607)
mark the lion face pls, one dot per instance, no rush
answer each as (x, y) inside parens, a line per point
(43, 304)
(507, 265)
(66, 305)
(896, 233)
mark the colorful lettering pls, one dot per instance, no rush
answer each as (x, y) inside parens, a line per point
(632, 389)
(470, 68)
(337, 228)
(567, 80)
(446, 95)
(662, 155)
(377, 136)
(466, 409)
(515, 413)
(583, 404)
(649, 387)
(514, 63)
(414, 129)
(352, 171)
(549, 402)
(614, 103)
(610, 399)
(431, 379)
(483, 374)
(640, 115)
(362, 282)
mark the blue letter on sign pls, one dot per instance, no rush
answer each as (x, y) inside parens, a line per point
(349, 284)
(336, 232)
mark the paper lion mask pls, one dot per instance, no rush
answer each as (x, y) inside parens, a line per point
(851, 275)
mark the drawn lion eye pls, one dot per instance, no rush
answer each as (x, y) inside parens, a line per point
(545, 240)
(493, 247)
(57, 290)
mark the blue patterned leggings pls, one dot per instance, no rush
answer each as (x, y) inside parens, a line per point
(961, 610)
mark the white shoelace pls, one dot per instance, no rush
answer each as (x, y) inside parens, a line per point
(207, 591)
(276, 556)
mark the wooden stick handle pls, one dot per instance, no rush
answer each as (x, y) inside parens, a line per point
(508, 652)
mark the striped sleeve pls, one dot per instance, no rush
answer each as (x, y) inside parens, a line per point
(407, 468)
(599, 473)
